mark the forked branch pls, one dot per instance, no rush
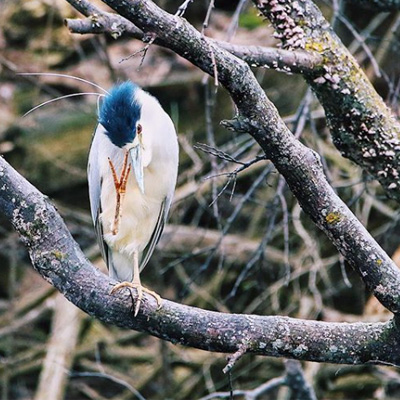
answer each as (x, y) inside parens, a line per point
(58, 258)
(300, 166)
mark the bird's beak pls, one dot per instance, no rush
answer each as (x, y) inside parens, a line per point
(137, 165)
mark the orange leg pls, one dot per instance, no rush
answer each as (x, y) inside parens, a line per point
(120, 188)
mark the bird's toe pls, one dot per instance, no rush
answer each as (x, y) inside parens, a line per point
(139, 290)
(121, 285)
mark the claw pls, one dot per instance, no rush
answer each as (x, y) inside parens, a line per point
(140, 289)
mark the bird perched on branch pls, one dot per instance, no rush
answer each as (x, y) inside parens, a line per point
(132, 171)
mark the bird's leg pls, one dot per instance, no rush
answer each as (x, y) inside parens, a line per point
(136, 284)
(120, 188)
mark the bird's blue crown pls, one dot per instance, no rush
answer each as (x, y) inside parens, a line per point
(120, 112)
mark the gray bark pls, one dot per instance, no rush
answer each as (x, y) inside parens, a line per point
(58, 258)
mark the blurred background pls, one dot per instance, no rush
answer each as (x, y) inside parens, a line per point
(237, 240)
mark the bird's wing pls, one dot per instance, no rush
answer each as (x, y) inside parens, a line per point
(155, 237)
(105, 253)
(95, 182)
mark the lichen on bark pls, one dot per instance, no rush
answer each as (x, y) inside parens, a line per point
(362, 126)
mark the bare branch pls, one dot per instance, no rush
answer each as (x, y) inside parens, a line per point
(182, 8)
(233, 359)
(59, 260)
(291, 61)
(99, 21)
(217, 153)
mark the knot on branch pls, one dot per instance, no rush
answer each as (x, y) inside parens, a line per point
(96, 23)
(237, 124)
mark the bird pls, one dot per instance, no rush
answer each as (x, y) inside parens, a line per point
(132, 174)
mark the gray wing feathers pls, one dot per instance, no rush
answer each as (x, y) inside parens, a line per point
(94, 177)
(105, 253)
(94, 182)
(155, 237)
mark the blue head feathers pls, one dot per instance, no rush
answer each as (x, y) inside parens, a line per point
(119, 113)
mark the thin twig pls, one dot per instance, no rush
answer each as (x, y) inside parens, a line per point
(182, 8)
(210, 149)
(241, 351)
(206, 41)
(235, 20)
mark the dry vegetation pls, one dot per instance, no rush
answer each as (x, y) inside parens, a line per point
(237, 239)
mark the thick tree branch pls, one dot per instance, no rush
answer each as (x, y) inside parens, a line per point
(284, 60)
(362, 126)
(57, 257)
(99, 21)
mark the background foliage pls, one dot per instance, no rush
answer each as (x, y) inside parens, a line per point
(236, 242)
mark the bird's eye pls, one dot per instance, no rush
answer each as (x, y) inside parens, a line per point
(139, 129)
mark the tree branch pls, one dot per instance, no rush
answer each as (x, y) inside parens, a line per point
(362, 126)
(300, 166)
(57, 257)
(283, 60)
(99, 21)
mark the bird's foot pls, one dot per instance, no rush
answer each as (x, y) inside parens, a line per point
(140, 289)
